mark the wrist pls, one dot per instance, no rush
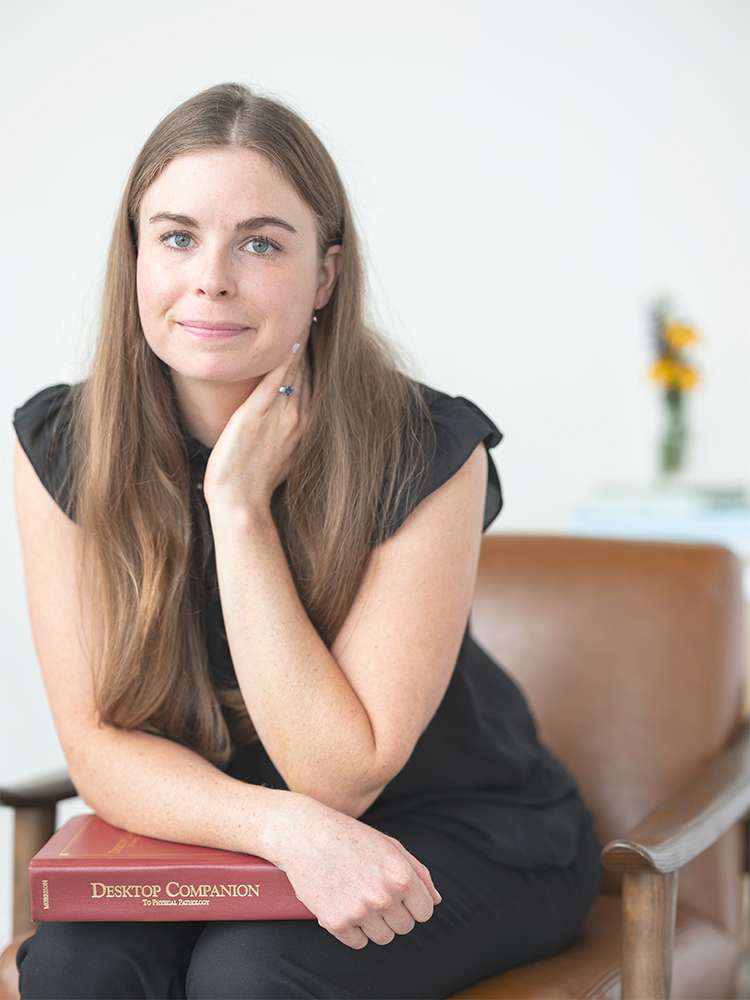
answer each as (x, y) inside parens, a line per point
(240, 517)
(279, 822)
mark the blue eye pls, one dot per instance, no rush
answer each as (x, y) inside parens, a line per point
(253, 239)
(264, 239)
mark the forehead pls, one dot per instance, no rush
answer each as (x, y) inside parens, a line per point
(221, 186)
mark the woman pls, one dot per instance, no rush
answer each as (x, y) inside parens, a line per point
(282, 532)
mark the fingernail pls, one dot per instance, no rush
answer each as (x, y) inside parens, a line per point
(295, 347)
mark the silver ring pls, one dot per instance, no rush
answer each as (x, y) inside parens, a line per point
(286, 390)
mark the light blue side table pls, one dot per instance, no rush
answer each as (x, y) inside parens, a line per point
(681, 514)
(689, 513)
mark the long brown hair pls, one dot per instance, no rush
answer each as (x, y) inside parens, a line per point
(145, 558)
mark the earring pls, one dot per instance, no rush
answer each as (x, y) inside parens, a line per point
(315, 318)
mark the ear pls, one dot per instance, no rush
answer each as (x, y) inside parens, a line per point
(330, 269)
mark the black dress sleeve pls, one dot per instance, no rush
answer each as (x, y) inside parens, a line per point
(42, 426)
(459, 425)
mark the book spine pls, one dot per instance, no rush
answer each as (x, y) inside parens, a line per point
(163, 893)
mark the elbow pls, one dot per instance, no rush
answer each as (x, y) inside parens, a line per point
(83, 771)
(81, 785)
(351, 794)
(351, 800)
(333, 796)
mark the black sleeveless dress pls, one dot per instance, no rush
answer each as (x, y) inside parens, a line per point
(479, 777)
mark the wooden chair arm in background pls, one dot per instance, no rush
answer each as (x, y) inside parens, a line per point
(35, 813)
(652, 853)
(649, 856)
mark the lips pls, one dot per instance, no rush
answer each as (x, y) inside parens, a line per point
(221, 326)
(201, 334)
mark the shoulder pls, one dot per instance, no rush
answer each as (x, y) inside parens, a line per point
(42, 424)
(40, 411)
(458, 426)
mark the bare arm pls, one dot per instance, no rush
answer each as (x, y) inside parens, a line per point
(312, 724)
(140, 782)
(154, 787)
(339, 724)
(157, 788)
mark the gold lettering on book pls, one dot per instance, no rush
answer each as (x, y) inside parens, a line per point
(45, 894)
(120, 890)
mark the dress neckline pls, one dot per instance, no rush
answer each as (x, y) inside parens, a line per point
(197, 450)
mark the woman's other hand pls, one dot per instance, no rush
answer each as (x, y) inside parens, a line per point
(361, 884)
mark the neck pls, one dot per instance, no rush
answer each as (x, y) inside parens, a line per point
(206, 406)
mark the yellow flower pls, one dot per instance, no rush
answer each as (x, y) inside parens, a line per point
(673, 374)
(663, 370)
(679, 335)
(686, 377)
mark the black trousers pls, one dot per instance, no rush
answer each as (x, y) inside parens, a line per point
(492, 918)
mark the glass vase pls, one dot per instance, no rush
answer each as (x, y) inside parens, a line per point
(673, 445)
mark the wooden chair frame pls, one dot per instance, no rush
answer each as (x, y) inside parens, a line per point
(649, 856)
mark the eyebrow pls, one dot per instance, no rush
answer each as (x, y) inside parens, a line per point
(255, 223)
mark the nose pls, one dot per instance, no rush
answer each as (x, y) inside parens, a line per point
(214, 274)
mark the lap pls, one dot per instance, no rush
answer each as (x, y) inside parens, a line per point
(103, 958)
(492, 917)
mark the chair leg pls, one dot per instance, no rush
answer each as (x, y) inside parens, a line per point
(649, 906)
(742, 981)
(33, 828)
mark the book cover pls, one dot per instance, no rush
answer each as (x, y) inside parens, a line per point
(91, 870)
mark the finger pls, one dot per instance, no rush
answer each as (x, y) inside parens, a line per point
(421, 870)
(267, 391)
(418, 900)
(294, 365)
(296, 360)
(296, 405)
(297, 377)
(352, 937)
(377, 929)
(424, 873)
(398, 918)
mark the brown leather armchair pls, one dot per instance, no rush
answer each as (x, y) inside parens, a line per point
(632, 655)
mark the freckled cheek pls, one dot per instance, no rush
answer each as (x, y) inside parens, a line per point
(157, 292)
(281, 297)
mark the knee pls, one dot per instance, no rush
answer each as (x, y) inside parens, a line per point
(235, 979)
(241, 962)
(231, 981)
(73, 961)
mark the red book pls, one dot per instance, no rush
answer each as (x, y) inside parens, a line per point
(91, 870)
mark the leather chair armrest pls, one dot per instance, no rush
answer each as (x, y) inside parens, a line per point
(682, 827)
(45, 790)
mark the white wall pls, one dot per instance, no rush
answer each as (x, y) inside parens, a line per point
(526, 177)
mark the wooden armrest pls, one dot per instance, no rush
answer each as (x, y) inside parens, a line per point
(46, 790)
(35, 804)
(692, 819)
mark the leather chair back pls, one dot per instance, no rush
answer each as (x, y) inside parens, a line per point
(632, 658)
